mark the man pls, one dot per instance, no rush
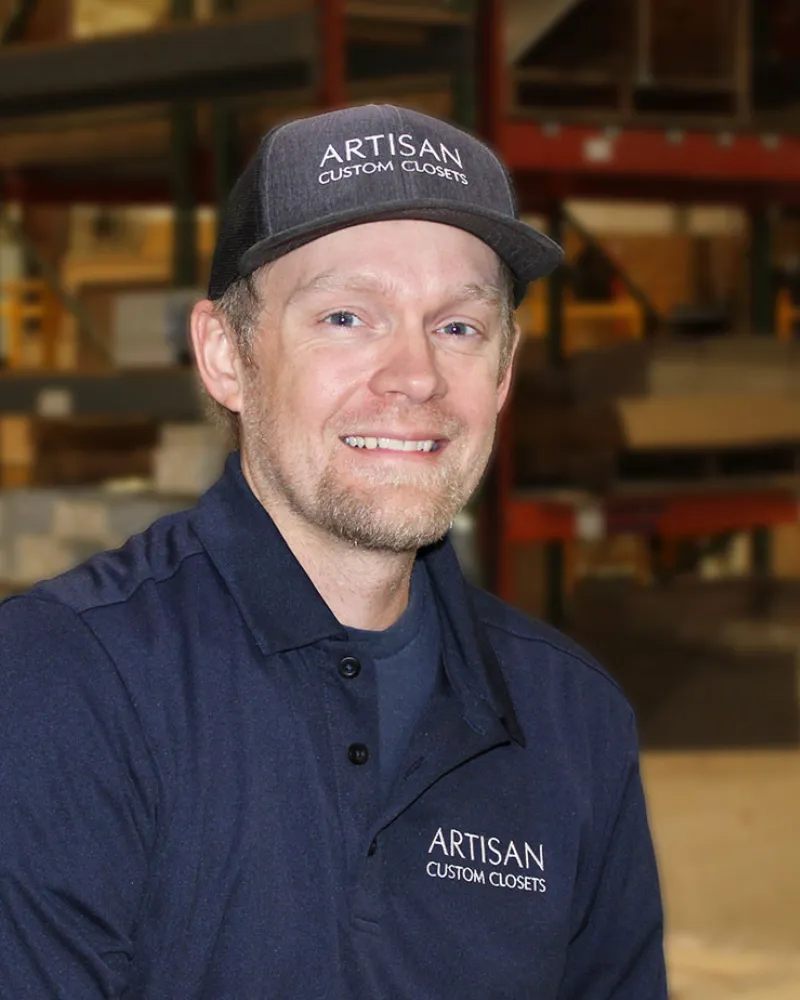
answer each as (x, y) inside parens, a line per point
(275, 746)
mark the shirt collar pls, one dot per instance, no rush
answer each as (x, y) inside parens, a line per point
(284, 610)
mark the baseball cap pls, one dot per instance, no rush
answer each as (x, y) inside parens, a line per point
(312, 176)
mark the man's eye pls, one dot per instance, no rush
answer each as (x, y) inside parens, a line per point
(459, 329)
(343, 318)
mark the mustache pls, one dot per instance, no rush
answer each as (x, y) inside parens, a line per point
(424, 418)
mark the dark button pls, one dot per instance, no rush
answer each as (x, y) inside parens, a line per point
(349, 667)
(373, 847)
(357, 753)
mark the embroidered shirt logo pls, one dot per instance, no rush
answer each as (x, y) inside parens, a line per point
(475, 857)
(387, 152)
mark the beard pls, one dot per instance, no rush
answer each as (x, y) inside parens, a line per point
(389, 509)
(390, 513)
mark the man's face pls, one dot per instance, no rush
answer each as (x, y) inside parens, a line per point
(370, 409)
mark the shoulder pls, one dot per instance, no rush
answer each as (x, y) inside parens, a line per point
(535, 651)
(106, 605)
(87, 637)
(111, 578)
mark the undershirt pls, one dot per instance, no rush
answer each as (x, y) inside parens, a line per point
(406, 658)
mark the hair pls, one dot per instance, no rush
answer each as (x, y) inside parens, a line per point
(241, 305)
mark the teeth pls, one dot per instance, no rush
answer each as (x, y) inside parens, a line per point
(389, 444)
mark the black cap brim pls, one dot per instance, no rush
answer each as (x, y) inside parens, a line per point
(528, 253)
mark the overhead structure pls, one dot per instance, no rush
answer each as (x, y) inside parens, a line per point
(98, 106)
(201, 60)
(192, 60)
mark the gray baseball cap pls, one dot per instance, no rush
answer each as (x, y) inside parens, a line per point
(313, 176)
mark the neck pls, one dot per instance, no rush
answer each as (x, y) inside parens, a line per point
(364, 589)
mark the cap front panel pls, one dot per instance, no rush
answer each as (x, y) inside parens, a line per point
(348, 161)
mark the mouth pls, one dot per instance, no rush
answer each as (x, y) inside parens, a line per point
(392, 444)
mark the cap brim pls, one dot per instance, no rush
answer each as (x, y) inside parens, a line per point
(528, 253)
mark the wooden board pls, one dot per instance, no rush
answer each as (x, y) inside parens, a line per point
(708, 421)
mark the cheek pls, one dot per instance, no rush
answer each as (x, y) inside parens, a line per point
(478, 397)
(315, 388)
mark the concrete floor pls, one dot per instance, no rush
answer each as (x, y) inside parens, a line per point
(727, 831)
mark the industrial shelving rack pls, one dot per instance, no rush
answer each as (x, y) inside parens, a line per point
(310, 59)
(743, 159)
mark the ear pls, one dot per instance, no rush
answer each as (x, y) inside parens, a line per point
(217, 356)
(504, 386)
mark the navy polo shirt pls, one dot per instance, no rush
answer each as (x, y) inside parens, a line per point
(189, 807)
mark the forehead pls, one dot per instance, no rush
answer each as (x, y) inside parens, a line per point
(405, 255)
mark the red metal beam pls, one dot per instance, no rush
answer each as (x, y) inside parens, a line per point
(493, 74)
(671, 515)
(40, 185)
(333, 47)
(537, 191)
(716, 513)
(726, 158)
(526, 520)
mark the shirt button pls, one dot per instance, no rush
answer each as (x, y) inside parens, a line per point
(373, 847)
(357, 753)
(349, 667)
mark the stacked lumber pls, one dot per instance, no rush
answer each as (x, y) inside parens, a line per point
(714, 366)
(68, 451)
(659, 412)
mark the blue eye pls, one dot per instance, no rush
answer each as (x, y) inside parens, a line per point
(343, 318)
(459, 329)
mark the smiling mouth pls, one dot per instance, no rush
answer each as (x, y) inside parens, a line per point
(390, 444)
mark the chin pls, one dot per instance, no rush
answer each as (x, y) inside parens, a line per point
(405, 538)
(396, 523)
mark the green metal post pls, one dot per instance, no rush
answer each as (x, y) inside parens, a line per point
(226, 163)
(3, 338)
(554, 551)
(555, 295)
(184, 250)
(762, 552)
(183, 136)
(761, 567)
(759, 16)
(464, 69)
(225, 153)
(762, 294)
(762, 314)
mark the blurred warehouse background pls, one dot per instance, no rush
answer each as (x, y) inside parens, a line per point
(645, 492)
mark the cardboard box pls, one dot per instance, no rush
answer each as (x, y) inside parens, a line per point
(16, 440)
(14, 476)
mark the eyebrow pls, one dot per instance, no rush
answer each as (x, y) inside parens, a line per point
(490, 294)
(329, 281)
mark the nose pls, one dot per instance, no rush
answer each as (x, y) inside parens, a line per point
(409, 367)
